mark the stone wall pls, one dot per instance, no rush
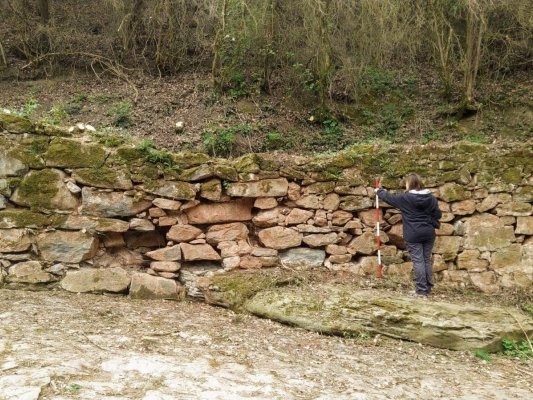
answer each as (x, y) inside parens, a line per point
(90, 212)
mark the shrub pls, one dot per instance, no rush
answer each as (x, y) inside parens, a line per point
(518, 349)
(120, 113)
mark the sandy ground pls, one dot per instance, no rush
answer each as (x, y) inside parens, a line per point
(57, 345)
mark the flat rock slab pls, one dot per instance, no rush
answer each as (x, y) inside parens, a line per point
(347, 310)
(338, 311)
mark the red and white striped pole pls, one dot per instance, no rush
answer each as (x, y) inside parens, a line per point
(378, 237)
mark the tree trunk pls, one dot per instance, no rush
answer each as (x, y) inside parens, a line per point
(44, 11)
(475, 28)
(269, 20)
(324, 49)
(216, 68)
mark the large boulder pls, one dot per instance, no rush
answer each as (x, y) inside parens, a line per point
(65, 246)
(111, 204)
(45, 189)
(350, 312)
(144, 286)
(115, 280)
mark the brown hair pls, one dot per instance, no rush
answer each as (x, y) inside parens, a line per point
(414, 181)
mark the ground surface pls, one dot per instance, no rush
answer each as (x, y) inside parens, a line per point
(99, 347)
(149, 107)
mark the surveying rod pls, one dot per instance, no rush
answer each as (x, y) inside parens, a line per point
(378, 238)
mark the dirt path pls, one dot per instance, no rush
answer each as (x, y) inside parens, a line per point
(67, 346)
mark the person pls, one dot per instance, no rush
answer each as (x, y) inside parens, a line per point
(420, 215)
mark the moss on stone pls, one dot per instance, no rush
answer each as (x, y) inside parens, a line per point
(103, 177)
(292, 173)
(248, 163)
(73, 154)
(11, 184)
(512, 175)
(128, 154)
(23, 218)
(226, 172)
(145, 173)
(51, 130)
(15, 124)
(31, 151)
(233, 289)
(198, 173)
(187, 160)
(38, 188)
(211, 186)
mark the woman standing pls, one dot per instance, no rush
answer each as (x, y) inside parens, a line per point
(420, 215)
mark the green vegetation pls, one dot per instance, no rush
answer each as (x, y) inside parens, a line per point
(528, 308)
(75, 105)
(29, 108)
(431, 136)
(111, 137)
(331, 136)
(483, 355)
(223, 141)
(384, 122)
(120, 113)
(155, 156)
(517, 348)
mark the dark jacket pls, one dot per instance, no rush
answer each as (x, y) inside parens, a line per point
(420, 213)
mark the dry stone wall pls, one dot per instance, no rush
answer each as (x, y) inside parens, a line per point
(94, 213)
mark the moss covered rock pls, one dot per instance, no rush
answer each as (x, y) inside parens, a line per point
(194, 174)
(24, 218)
(453, 192)
(187, 160)
(74, 154)
(31, 151)
(248, 163)
(15, 124)
(103, 177)
(226, 172)
(347, 312)
(45, 189)
(10, 165)
(173, 190)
